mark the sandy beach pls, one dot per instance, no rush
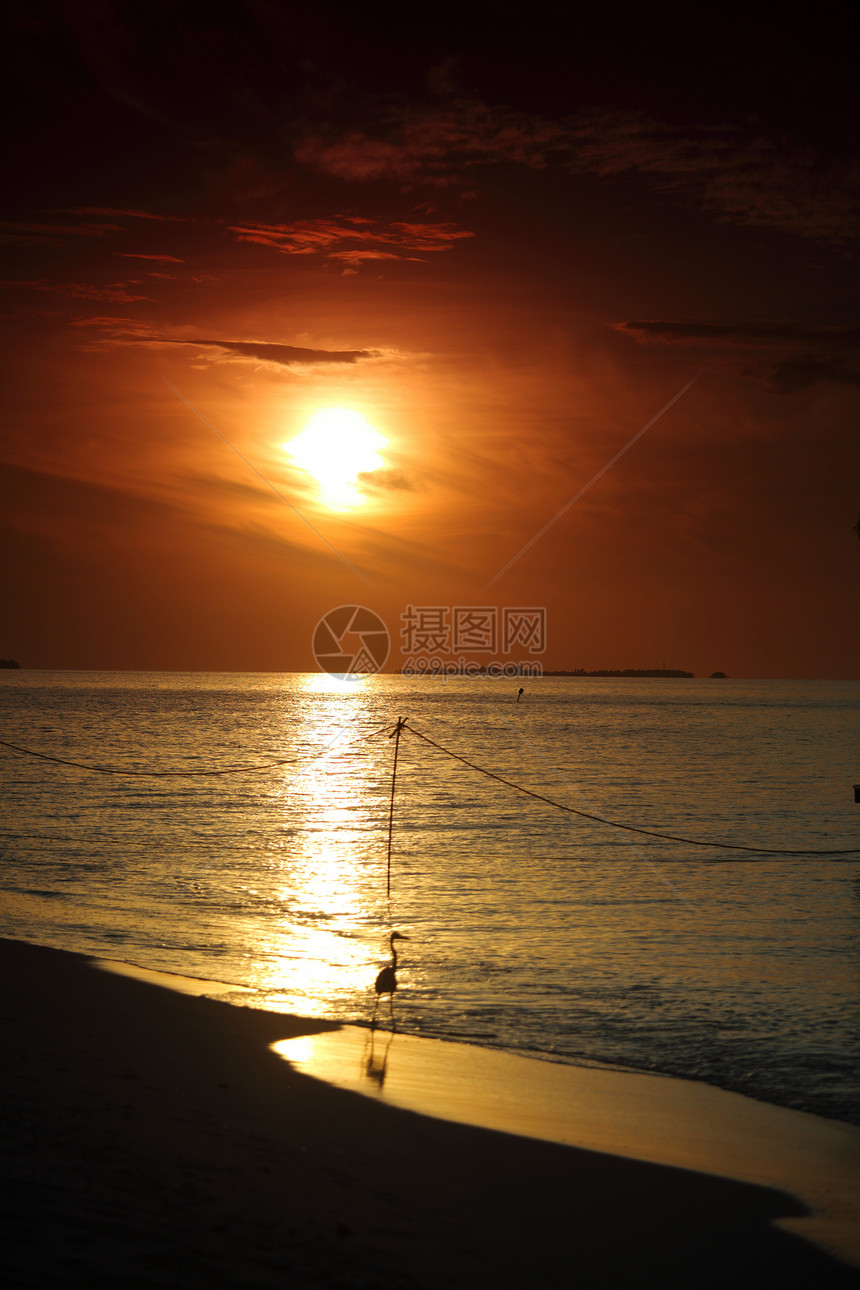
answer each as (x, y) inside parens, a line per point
(152, 1138)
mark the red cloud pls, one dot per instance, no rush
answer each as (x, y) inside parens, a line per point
(336, 238)
(359, 256)
(162, 259)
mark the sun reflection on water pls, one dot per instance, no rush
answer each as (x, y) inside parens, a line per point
(321, 956)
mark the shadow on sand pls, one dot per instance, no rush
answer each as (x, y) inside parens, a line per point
(151, 1139)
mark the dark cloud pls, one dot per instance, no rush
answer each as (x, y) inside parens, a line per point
(126, 332)
(740, 176)
(116, 212)
(282, 355)
(162, 259)
(33, 233)
(793, 375)
(741, 334)
(789, 357)
(735, 174)
(436, 143)
(114, 292)
(385, 481)
(746, 117)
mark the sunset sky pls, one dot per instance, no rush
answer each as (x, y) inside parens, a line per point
(505, 238)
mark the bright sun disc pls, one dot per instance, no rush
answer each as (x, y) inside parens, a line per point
(336, 446)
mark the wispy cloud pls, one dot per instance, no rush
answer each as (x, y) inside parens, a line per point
(351, 239)
(118, 211)
(114, 292)
(790, 375)
(126, 332)
(32, 233)
(106, 321)
(736, 334)
(435, 143)
(789, 357)
(736, 175)
(743, 178)
(281, 355)
(386, 481)
(161, 259)
(354, 259)
(57, 233)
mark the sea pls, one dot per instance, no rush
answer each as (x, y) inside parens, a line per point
(242, 829)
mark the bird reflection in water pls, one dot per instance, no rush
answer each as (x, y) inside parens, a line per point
(375, 1065)
(386, 982)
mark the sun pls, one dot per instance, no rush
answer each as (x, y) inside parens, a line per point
(336, 446)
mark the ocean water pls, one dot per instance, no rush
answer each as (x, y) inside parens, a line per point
(529, 928)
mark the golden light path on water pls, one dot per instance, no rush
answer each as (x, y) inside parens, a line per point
(331, 893)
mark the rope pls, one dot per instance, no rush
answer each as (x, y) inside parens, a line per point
(396, 731)
(630, 828)
(184, 774)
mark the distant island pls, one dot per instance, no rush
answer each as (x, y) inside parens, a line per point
(629, 671)
(9, 662)
(480, 669)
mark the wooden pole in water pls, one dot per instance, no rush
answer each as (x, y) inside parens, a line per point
(401, 722)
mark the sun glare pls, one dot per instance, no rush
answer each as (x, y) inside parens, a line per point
(336, 446)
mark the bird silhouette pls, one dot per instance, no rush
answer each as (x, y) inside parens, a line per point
(386, 982)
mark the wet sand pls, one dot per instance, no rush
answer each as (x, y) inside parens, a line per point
(638, 1115)
(152, 1138)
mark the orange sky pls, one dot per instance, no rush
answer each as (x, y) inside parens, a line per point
(507, 269)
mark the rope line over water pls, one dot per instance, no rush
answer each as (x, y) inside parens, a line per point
(186, 774)
(630, 828)
(395, 732)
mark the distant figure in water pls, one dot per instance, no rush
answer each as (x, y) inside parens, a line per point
(519, 696)
(386, 982)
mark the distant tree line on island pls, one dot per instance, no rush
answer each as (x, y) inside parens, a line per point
(639, 671)
(632, 671)
(9, 662)
(473, 669)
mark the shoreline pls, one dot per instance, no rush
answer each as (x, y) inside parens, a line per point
(644, 1116)
(152, 1137)
(216, 989)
